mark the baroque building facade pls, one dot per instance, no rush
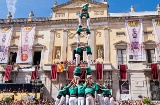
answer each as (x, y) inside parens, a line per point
(55, 41)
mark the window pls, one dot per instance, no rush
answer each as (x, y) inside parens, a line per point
(150, 55)
(120, 33)
(37, 57)
(12, 57)
(122, 57)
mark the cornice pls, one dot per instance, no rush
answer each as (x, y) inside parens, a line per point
(59, 7)
(17, 23)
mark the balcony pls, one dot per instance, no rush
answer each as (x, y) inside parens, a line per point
(106, 67)
(3, 66)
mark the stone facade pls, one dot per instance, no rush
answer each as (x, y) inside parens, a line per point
(107, 30)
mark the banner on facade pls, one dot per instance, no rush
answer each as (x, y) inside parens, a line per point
(25, 54)
(5, 38)
(135, 40)
(156, 26)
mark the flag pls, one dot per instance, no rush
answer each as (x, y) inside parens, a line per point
(60, 68)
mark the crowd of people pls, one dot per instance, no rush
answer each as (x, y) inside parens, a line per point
(29, 102)
(83, 93)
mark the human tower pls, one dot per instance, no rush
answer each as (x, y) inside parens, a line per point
(79, 92)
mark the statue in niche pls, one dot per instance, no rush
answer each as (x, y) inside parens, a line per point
(100, 52)
(57, 54)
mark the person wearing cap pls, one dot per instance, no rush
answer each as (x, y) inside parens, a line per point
(84, 13)
(73, 94)
(77, 55)
(81, 92)
(78, 33)
(90, 92)
(89, 54)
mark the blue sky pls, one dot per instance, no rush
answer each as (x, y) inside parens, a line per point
(43, 7)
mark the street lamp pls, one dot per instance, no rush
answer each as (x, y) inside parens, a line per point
(36, 83)
(108, 83)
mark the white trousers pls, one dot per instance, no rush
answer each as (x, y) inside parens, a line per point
(77, 38)
(62, 101)
(80, 100)
(77, 59)
(67, 99)
(57, 101)
(89, 100)
(88, 39)
(88, 22)
(89, 56)
(72, 101)
(99, 98)
(106, 101)
(80, 21)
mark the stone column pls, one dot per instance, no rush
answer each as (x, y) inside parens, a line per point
(92, 43)
(64, 45)
(106, 45)
(51, 45)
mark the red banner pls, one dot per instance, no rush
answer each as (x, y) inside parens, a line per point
(70, 71)
(7, 72)
(99, 71)
(123, 72)
(34, 73)
(154, 70)
(54, 72)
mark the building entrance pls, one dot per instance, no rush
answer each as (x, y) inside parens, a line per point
(155, 90)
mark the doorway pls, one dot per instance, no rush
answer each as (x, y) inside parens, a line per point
(12, 57)
(155, 90)
(37, 57)
(81, 55)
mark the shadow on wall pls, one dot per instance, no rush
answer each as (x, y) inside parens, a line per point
(52, 87)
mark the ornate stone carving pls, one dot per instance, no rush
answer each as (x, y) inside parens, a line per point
(58, 35)
(39, 36)
(72, 35)
(98, 33)
(98, 12)
(60, 15)
(57, 53)
(14, 37)
(100, 52)
(78, 4)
